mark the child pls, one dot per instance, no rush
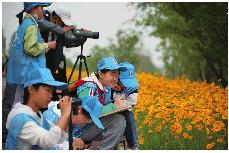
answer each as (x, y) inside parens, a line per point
(27, 53)
(27, 129)
(85, 109)
(106, 75)
(127, 87)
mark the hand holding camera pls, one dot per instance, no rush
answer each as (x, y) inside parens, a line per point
(78, 144)
(65, 105)
(52, 44)
(68, 28)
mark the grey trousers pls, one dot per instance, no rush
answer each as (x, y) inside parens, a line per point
(109, 137)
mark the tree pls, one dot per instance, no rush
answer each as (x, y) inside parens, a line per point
(194, 37)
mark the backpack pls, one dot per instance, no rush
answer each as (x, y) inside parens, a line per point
(81, 82)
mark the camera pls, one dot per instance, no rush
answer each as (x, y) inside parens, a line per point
(76, 102)
(85, 34)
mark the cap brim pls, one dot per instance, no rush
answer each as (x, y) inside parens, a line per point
(108, 68)
(58, 85)
(45, 4)
(97, 122)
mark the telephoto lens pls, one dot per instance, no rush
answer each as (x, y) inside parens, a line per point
(85, 34)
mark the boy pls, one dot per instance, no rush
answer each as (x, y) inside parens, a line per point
(84, 110)
(27, 128)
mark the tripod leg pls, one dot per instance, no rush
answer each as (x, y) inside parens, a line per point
(85, 63)
(70, 133)
(73, 68)
(80, 69)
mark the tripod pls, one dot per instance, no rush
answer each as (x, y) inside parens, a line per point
(81, 59)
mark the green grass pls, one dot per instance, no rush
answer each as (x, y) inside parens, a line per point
(165, 140)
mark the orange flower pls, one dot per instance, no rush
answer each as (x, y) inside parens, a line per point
(141, 140)
(185, 135)
(158, 128)
(189, 127)
(199, 127)
(190, 137)
(210, 145)
(176, 128)
(209, 137)
(219, 140)
(217, 126)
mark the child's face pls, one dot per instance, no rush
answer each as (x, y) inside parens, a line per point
(109, 78)
(42, 96)
(40, 12)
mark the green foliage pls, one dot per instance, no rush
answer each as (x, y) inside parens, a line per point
(194, 37)
(165, 140)
(125, 49)
(68, 62)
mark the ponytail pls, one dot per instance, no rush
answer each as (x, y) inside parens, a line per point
(20, 16)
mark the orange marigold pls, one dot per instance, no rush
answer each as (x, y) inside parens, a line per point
(210, 145)
(189, 127)
(185, 135)
(219, 140)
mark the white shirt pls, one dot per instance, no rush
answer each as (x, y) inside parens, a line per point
(33, 134)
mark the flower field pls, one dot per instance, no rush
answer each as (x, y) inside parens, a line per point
(179, 113)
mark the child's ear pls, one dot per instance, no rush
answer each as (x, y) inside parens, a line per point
(80, 109)
(31, 89)
(100, 74)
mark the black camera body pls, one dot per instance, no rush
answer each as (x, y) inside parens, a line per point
(76, 102)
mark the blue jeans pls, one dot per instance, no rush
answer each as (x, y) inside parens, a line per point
(131, 130)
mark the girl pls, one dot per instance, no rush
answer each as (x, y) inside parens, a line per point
(95, 85)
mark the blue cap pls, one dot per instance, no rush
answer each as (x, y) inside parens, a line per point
(43, 75)
(94, 108)
(127, 75)
(108, 63)
(29, 5)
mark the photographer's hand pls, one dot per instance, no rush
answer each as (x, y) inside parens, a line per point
(85, 30)
(78, 143)
(51, 44)
(65, 106)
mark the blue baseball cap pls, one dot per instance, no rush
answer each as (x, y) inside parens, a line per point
(94, 108)
(127, 75)
(43, 75)
(29, 5)
(108, 63)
